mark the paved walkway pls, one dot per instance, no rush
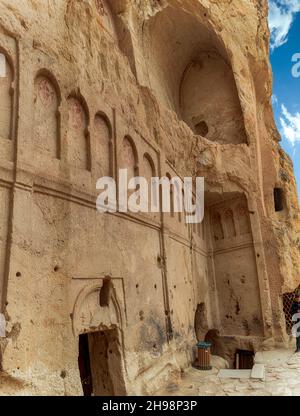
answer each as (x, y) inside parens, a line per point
(282, 379)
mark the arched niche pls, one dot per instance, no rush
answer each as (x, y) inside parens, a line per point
(103, 145)
(243, 218)
(6, 95)
(78, 132)
(148, 167)
(129, 157)
(98, 319)
(46, 124)
(190, 73)
(209, 101)
(88, 314)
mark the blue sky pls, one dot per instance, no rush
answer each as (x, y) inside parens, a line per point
(284, 23)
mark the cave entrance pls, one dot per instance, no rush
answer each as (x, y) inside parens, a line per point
(85, 365)
(244, 359)
(100, 364)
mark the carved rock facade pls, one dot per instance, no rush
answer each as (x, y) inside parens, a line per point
(174, 88)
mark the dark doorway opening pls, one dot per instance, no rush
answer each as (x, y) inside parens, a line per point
(100, 364)
(278, 199)
(201, 129)
(244, 360)
(85, 365)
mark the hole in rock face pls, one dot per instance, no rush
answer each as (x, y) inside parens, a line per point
(100, 364)
(201, 128)
(278, 199)
(105, 292)
(244, 359)
(63, 374)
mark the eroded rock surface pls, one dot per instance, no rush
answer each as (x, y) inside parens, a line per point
(171, 87)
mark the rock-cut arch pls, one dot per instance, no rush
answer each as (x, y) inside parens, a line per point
(98, 326)
(78, 135)
(47, 100)
(129, 157)
(103, 157)
(89, 315)
(189, 71)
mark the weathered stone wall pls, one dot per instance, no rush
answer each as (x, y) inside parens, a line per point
(94, 86)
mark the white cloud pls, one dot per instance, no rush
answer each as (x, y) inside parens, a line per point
(274, 100)
(281, 17)
(290, 125)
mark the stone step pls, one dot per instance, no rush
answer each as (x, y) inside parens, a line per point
(258, 371)
(239, 374)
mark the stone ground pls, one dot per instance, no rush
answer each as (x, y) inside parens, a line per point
(282, 379)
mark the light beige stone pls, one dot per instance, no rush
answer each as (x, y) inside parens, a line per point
(219, 362)
(258, 371)
(238, 374)
(168, 88)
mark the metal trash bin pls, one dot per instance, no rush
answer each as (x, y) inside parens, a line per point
(203, 356)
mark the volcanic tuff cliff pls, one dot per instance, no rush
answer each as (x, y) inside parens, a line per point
(160, 87)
